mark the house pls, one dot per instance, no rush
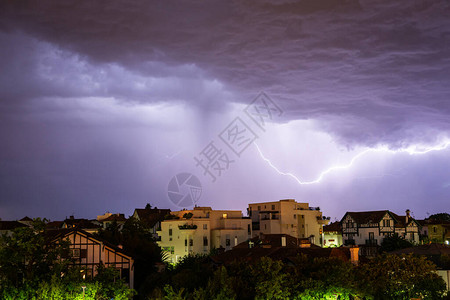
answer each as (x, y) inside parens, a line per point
(151, 218)
(26, 220)
(200, 230)
(91, 226)
(332, 235)
(282, 247)
(288, 217)
(89, 252)
(438, 253)
(108, 218)
(437, 231)
(368, 229)
(6, 227)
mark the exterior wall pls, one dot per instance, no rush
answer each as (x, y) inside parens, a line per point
(287, 217)
(372, 234)
(445, 274)
(332, 239)
(436, 233)
(205, 230)
(90, 252)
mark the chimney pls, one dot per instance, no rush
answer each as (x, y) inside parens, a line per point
(283, 241)
(407, 216)
(354, 255)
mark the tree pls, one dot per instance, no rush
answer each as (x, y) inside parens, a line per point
(26, 256)
(401, 277)
(33, 265)
(440, 217)
(394, 242)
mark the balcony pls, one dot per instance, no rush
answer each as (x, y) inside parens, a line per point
(187, 227)
(371, 242)
(274, 217)
(349, 242)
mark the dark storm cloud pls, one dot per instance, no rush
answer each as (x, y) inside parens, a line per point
(95, 96)
(382, 63)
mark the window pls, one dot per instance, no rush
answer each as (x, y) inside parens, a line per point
(249, 230)
(434, 229)
(170, 231)
(205, 241)
(205, 226)
(191, 242)
(273, 206)
(292, 225)
(259, 207)
(76, 253)
(295, 216)
(224, 216)
(371, 236)
(227, 242)
(386, 223)
(185, 242)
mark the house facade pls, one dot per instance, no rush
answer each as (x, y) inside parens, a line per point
(200, 230)
(368, 228)
(288, 217)
(332, 235)
(89, 252)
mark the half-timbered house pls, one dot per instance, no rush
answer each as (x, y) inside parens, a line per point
(89, 252)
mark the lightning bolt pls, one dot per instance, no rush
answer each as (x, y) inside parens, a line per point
(413, 150)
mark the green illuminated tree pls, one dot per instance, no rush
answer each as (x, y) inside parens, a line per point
(401, 277)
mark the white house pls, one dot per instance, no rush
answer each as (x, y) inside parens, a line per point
(369, 228)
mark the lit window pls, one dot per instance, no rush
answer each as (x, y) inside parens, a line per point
(224, 216)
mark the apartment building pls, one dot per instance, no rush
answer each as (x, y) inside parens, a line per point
(288, 217)
(202, 229)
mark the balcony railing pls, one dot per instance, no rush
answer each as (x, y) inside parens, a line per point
(349, 242)
(186, 227)
(371, 242)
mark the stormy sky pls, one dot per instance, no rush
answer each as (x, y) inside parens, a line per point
(103, 103)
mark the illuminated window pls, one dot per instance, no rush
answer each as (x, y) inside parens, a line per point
(224, 216)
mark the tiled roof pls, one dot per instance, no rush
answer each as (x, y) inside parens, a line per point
(10, 225)
(53, 235)
(26, 219)
(115, 217)
(81, 223)
(427, 249)
(333, 227)
(151, 216)
(54, 224)
(363, 217)
(278, 253)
